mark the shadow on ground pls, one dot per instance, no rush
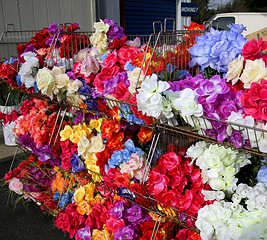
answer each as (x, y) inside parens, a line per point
(24, 220)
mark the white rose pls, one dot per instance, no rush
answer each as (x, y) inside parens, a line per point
(62, 81)
(100, 41)
(83, 145)
(234, 69)
(254, 71)
(58, 70)
(46, 82)
(135, 76)
(96, 144)
(101, 26)
(217, 183)
(73, 86)
(188, 104)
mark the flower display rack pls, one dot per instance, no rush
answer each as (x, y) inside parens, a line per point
(10, 38)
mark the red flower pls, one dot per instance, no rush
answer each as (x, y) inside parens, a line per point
(69, 220)
(177, 179)
(145, 134)
(255, 100)
(157, 182)
(121, 92)
(121, 180)
(185, 201)
(170, 198)
(113, 224)
(111, 59)
(102, 159)
(109, 127)
(125, 53)
(169, 160)
(105, 74)
(116, 44)
(252, 49)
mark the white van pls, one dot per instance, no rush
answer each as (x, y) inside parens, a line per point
(253, 21)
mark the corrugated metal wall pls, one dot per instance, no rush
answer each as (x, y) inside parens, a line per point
(140, 14)
(36, 14)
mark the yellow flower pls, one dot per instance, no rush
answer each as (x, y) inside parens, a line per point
(77, 135)
(94, 169)
(77, 127)
(89, 190)
(79, 194)
(66, 133)
(86, 129)
(84, 208)
(101, 235)
(89, 161)
(96, 124)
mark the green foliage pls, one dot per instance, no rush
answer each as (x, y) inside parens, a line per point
(15, 97)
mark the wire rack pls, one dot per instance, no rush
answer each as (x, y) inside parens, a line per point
(9, 40)
(167, 53)
(238, 136)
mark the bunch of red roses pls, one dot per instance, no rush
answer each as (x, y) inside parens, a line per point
(255, 101)
(176, 183)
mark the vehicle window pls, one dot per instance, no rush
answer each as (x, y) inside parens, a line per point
(221, 23)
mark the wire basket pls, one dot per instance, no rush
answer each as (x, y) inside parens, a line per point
(230, 134)
(167, 53)
(9, 40)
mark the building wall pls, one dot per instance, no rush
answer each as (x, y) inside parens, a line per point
(36, 14)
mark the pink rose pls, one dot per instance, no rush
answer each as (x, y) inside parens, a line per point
(169, 161)
(263, 110)
(157, 182)
(111, 59)
(252, 49)
(113, 224)
(16, 185)
(105, 74)
(121, 92)
(170, 198)
(125, 53)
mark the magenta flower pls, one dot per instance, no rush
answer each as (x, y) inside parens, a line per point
(126, 232)
(85, 233)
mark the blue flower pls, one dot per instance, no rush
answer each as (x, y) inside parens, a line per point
(103, 57)
(129, 144)
(18, 77)
(10, 61)
(125, 153)
(128, 66)
(35, 87)
(216, 49)
(115, 159)
(64, 200)
(77, 163)
(56, 196)
(238, 28)
(262, 175)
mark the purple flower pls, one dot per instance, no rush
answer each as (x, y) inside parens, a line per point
(79, 118)
(134, 214)
(77, 163)
(109, 22)
(212, 88)
(71, 75)
(53, 28)
(111, 84)
(115, 32)
(117, 210)
(126, 232)
(26, 141)
(85, 233)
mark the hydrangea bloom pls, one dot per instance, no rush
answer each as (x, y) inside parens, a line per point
(216, 49)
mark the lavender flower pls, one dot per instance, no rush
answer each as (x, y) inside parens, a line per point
(135, 215)
(262, 175)
(126, 232)
(79, 118)
(53, 28)
(111, 84)
(85, 233)
(117, 210)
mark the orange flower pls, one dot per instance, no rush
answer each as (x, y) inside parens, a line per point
(115, 113)
(84, 208)
(101, 235)
(145, 134)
